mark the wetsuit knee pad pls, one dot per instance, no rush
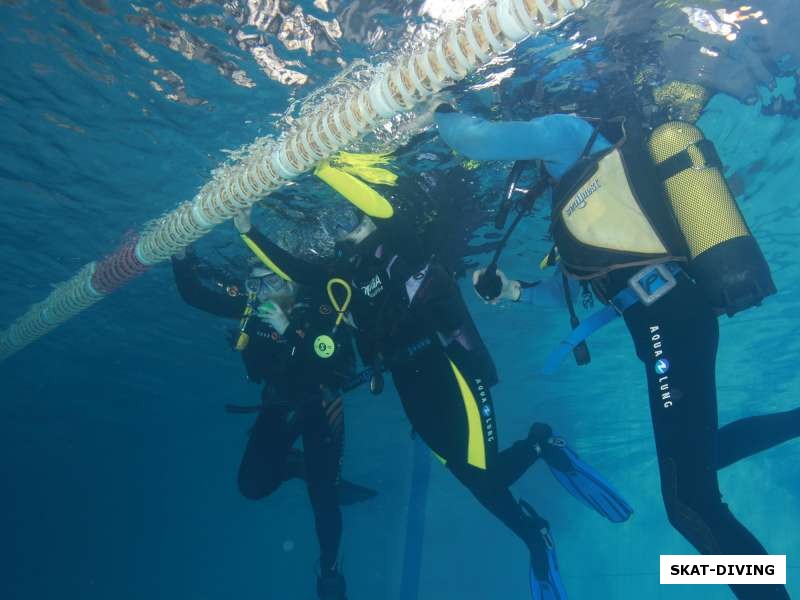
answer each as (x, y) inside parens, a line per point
(684, 514)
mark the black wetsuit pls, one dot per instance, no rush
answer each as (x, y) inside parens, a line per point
(680, 327)
(415, 319)
(299, 398)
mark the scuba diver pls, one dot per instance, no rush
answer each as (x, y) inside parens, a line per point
(645, 220)
(289, 341)
(411, 320)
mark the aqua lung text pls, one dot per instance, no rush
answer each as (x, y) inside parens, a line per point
(486, 411)
(658, 352)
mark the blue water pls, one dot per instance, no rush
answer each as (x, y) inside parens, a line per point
(118, 463)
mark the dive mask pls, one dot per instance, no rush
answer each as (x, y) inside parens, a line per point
(263, 283)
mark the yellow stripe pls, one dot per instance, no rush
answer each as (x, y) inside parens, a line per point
(264, 258)
(476, 449)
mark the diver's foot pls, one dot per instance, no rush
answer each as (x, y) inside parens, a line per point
(331, 586)
(549, 446)
(541, 440)
(545, 579)
(540, 433)
(351, 493)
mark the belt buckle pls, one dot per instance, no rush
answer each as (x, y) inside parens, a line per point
(652, 283)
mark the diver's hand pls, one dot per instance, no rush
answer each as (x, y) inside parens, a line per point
(272, 314)
(242, 220)
(185, 252)
(376, 381)
(509, 288)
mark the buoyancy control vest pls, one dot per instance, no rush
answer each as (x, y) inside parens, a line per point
(659, 199)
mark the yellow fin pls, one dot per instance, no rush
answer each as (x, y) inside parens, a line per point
(355, 191)
(363, 167)
(351, 158)
(374, 175)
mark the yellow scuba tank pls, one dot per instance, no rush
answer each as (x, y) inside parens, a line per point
(724, 257)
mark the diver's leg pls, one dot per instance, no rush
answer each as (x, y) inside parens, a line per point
(494, 496)
(455, 417)
(323, 443)
(752, 435)
(510, 464)
(514, 461)
(676, 339)
(264, 464)
(453, 414)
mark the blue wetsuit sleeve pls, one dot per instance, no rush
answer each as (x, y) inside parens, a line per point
(558, 140)
(550, 292)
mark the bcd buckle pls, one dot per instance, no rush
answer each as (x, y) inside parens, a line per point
(652, 283)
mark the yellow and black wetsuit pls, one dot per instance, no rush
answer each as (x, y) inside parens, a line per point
(415, 318)
(299, 398)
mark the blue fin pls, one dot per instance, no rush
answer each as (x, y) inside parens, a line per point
(545, 578)
(584, 482)
(549, 587)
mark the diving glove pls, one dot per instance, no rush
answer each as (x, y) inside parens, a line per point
(273, 315)
(242, 220)
(492, 289)
(376, 381)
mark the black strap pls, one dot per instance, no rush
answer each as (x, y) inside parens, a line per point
(683, 160)
(573, 316)
(526, 206)
(592, 139)
(489, 280)
(581, 351)
(511, 187)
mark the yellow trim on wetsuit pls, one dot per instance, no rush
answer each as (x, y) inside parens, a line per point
(476, 447)
(256, 249)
